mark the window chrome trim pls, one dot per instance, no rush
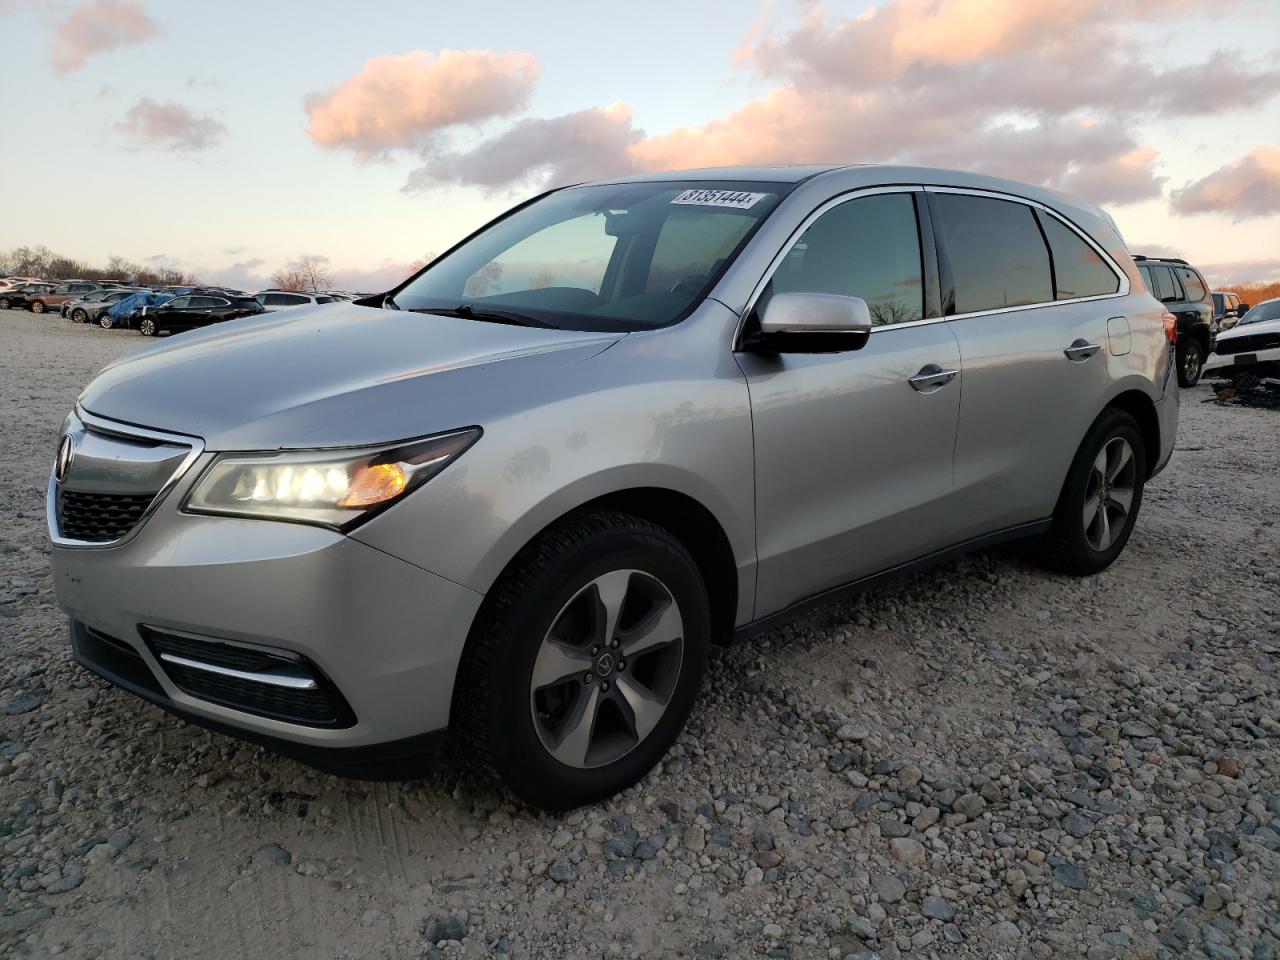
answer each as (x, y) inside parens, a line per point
(1124, 289)
(127, 432)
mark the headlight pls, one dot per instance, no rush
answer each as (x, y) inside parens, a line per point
(332, 488)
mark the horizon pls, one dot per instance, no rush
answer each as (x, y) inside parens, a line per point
(418, 125)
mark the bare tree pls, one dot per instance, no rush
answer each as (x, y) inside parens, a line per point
(287, 279)
(314, 271)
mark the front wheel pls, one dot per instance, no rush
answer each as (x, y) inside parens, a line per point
(585, 660)
(78, 315)
(1100, 500)
(4, 303)
(147, 327)
(105, 322)
(1190, 363)
(37, 306)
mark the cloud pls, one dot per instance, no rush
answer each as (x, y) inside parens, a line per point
(1225, 275)
(233, 251)
(1247, 187)
(169, 126)
(401, 101)
(578, 146)
(1043, 92)
(95, 27)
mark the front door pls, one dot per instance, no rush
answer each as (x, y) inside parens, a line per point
(853, 460)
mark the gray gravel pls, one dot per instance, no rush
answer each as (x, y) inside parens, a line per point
(980, 761)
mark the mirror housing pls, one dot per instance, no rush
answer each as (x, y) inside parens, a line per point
(811, 323)
(1242, 309)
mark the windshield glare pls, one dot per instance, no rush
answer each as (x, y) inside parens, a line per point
(1263, 311)
(617, 257)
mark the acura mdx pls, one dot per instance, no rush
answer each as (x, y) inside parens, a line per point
(519, 497)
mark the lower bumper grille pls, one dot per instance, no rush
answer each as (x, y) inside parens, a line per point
(1250, 344)
(99, 517)
(251, 679)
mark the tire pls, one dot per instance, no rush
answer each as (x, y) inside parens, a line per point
(105, 322)
(1082, 540)
(147, 327)
(78, 316)
(37, 306)
(4, 303)
(1190, 362)
(521, 731)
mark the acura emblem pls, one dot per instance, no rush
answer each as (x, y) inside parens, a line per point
(66, 454)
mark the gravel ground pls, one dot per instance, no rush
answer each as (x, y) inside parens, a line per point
(980, 761)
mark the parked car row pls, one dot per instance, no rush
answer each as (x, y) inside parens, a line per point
(150, 310)
(1250, 346)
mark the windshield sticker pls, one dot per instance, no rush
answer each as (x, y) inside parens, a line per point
(737, 199)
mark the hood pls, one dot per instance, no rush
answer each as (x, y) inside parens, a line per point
(1250, 329)
(332, 375)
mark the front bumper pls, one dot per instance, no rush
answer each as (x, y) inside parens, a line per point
(1218, 361)
(387, 634)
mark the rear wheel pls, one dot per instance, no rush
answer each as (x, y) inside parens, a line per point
(585, 661)
(1101, 497)
(1190, 363)
(4, 303)
(37, 306)
(147, 327)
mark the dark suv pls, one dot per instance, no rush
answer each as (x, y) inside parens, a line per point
(1182, 290)
(196, 310)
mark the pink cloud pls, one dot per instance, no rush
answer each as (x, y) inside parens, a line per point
(1259, 270)
(169, 126)
(95, 27)
(401, 101)
(1247, 187)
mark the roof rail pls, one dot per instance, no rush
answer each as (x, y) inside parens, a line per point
(1163, 259)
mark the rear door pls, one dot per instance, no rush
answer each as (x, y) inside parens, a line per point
(853, 462)
(1034, 303)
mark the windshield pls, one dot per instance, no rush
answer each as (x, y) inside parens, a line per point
(617, 257)
(1263, 311)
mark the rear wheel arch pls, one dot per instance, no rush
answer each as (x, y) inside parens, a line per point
(1141, 407)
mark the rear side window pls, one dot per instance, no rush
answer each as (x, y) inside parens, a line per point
(998, 255)
(868, 247)
(1191, 283)
(1078, 269)
(1166, 289)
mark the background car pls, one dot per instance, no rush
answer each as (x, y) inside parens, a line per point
(1227, 309)
(273, 300)
(43, 302)
(91, 306)
(18, 298)
(1182, 290)
(195, 310)
(127, 312)
(1252, 345)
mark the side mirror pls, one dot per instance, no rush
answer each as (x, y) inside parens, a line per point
(1242, 309)
(811, 323)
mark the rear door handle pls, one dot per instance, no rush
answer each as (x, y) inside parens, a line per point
(931, 378)
(1081, 350)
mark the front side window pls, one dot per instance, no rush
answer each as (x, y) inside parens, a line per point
(610, 257)
(1078, 269)
(998, 255)
(868, 247)
(1191, 283)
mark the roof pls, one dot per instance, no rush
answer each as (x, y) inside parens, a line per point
(763, 174)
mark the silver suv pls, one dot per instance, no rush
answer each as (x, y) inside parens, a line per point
(520, 496)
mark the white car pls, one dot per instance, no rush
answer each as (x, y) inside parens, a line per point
(1255, 339)
(273, 300)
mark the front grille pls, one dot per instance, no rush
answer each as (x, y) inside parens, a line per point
(99, 517)
(1250, 344)
(321, 706)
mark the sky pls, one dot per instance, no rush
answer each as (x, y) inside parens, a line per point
(229, 139)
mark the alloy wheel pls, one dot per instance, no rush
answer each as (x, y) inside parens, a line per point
(1108, 496)
(607, 669)
(1191, 364)
(37, 307)
(78, 315)
(105, 322)
(147, 328)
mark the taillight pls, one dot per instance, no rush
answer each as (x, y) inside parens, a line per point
(1170, 327)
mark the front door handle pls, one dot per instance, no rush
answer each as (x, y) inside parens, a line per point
(931, 378)
(1081, 350)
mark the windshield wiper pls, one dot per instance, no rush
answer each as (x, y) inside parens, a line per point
(486, 314)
